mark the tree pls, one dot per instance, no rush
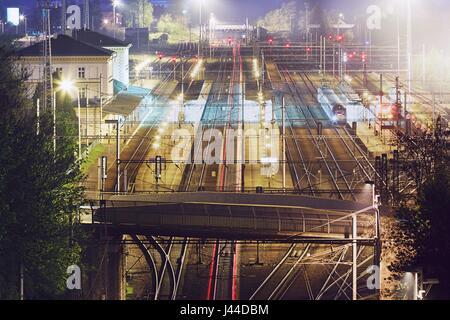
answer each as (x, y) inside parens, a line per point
(280, 20)
(319, 16)
(139, 13)
(40, 192)
(173, 26)
(421, 237)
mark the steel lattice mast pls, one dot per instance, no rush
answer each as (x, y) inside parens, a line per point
(47, 56)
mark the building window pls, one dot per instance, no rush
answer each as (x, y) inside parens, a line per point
(81, 73)
(59, 71)
(83, 93)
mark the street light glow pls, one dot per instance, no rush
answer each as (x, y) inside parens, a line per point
(66, 85)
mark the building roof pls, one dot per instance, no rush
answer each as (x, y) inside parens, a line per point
(123, 104)
(65, 46)
(341, 24)
(98, 39)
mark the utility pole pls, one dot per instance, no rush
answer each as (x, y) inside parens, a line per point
(22, 296)
(101, 107)
(242, 133)
(409, 44)
(434, 110)
(381, 106)
(406, 103)
(423, 66)
(63, 16)
(200, 25)
(398, 44)
(79, 124)
(355, 258)
(48, 101)
(321, 56)
(307, 22)
(263, 71)
(283, 149)
(103, 174)
(38, 115)
(86, 114)
(334, 59)
(117, 123)
(324, 60)
(86, 14)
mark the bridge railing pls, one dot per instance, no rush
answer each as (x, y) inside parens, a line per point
(208, 218)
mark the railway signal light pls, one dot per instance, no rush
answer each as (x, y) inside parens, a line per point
(345, 57)
(158, 168)
(104, 167)
(229, 41)
(270, 41)
(339, 38)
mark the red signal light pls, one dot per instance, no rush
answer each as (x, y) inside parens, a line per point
(339, 38)
(363, 57)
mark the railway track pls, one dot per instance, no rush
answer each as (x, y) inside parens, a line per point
(360, 158)
(224, 264)
(197, 177)
(172, 270)
(195, 173)
(338, 178)
(283, 275)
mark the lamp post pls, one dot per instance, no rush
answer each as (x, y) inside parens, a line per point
(174, 61)
(409, 42)
(200, 25)
(182, 112)
(117, 124)
(375, 205)
(24, 19)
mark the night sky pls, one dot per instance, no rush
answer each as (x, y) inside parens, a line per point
(233, 10)
(431, 17)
